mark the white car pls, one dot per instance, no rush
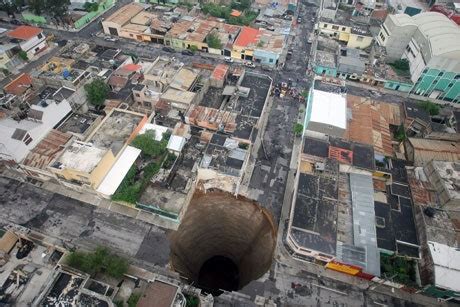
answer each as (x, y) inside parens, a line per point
(228, 59)
(111, 39)
(249, 64)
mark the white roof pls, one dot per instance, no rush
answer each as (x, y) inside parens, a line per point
(329, 108)
(159, 130)
(446, 261)
(53, 113)
(118, 171)
(176, 143)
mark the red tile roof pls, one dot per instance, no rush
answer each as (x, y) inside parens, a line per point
(132, 67)
(220, 71)
(47, 149)
(19, 85)
(247, 36)
(24, 32)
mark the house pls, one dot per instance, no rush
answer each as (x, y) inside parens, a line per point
(112, 25)
(245, 43)
(23, 129)
(344, 30)
(85, 164)
(422, 151)
(19, 86)
(429, 42)
(30, 39)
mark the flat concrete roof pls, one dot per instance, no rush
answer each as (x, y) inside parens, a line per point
(329, 108)
(80, 156)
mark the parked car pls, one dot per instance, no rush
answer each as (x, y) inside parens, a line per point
(111, 39)
(168, 49)
(187, 52)
(299, 20)
(62, 43)
(249, 64)
(15, 22)
(228, 59)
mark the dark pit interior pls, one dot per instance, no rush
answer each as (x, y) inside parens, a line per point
(223, 242)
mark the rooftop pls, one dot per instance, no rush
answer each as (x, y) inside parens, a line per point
(24, 32)
(115, 130)
(440, 32)
(328, 108)
(427, 150)
(446, 261)
(449, 172)
(314, 224)
(19, 85)
(80, 156)
(158, 294)
(173, 95)
(413, 111)
(47, 150)
(77, 123)
(370, 123)
(247, 37)
(125, 13)
(220, 72)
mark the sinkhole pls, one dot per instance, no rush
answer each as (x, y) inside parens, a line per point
(223, 242)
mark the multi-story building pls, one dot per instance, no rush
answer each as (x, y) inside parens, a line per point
(31, 39)
(430, 43)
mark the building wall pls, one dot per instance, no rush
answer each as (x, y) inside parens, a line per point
(341, 33)
(104, 166)
(266, 57)
(441, 191)
(325, 71)
(244, 53)
(33, 45)
(394, 38)
(359, 41)
(398, 86)
(438, 84)
(106, 25)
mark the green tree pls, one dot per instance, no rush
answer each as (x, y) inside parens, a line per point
(58, 9)
(91, 7)
(430, 107)
(37, 6)
(148, 145)
(298, 129)
(23, 55)
(400, 133)
(133, 299)
(97, 92)
(214, 41)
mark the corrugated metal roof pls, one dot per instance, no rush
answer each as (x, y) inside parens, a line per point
(426, 150)
(364, 231)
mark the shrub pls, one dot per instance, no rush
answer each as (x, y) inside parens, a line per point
(298, 129)
(100, 260)
(23, 55)
(430, 107)
(133, 299)
(214, 41)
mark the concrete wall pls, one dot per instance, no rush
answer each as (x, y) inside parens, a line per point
(395, 38)
(359, 41)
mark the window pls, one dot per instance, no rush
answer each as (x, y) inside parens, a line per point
(270, 60)
(386, 30)
(325, 25)
(343, 28)
(457, 77)
(335, 27)
(360, 38)
(450, 85)
(440, 74)
(40, 35)
(382, 37)
(137, 95)
(27, 139)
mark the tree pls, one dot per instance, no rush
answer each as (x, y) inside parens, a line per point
(23, 55)
(298, 129)
(401, 65)
(58, 9)
(97, 92)
(430, 107)
(37, 6)
(148, 145)
(91, 7)
(214, 41)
